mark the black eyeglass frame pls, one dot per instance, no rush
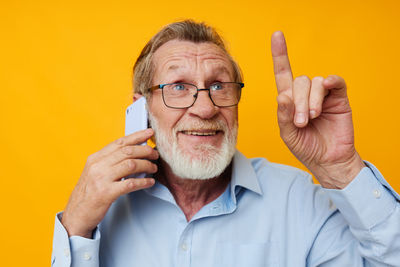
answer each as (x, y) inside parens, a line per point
(161, 86)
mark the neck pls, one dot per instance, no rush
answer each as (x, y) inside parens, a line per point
(191, 195)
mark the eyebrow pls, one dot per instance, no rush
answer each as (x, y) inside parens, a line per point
(223, 69)
(173, 67)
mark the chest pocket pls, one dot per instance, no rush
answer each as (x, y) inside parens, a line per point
(243, 255)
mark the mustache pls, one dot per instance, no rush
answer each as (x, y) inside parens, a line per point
(214, 125)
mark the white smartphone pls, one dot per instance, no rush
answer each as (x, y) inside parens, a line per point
(136, 117)
(136, 120)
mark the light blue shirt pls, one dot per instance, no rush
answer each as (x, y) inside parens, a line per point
(269, 215)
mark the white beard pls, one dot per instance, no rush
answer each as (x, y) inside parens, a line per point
(205, 161)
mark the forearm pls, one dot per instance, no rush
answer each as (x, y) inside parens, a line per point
(372, 210)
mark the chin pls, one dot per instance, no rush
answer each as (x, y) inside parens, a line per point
(201, 152)
(203, 161)
(196, 160)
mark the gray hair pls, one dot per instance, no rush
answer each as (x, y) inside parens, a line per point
(187, 30)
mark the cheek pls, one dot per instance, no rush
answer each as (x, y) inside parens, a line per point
(156, 107)
(166, 117)
(231, 117)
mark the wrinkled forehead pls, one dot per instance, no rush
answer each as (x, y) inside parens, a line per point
(179, 55)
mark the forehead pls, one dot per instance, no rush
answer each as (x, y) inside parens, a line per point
(178, 54)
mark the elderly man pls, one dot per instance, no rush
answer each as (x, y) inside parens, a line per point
(206, 204)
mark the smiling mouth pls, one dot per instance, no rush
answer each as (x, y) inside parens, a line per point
(201, 132)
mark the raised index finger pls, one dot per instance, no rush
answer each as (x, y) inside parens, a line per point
(282, 70)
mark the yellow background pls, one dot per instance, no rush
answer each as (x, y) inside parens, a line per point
(66, 80)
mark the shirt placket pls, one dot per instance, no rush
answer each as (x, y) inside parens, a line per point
(185, 246)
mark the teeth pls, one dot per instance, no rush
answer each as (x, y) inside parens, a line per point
(199, 133)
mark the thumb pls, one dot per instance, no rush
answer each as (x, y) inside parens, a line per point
(286, 111)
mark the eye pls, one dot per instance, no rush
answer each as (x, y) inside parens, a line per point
(178, 87)
(216, 86)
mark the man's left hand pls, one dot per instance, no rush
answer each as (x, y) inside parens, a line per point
(315, 121)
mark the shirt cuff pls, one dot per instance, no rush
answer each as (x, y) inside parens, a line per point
(61, 255)
(74, 250)
(367, 201)
(84, 251)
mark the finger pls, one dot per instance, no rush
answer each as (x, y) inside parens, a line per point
(132, 139)
(128, 167)
(282, 70)
(317, 95)
(130, 152)
(336, 85)
(135, 138)
(301, 94)
(129, 185)
(286, 116)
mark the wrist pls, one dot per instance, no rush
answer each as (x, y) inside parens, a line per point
(74, 229)
(338, 175)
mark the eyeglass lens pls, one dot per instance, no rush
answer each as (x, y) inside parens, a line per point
(182, 95)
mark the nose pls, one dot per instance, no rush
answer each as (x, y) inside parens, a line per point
(203, 107)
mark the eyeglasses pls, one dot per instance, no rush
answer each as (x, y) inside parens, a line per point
(184, 95)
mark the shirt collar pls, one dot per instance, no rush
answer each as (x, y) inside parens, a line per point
(243, 175)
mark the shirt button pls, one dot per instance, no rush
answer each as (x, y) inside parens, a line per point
(184, 246)
(66, 252)
(377, 193)
(87, 256)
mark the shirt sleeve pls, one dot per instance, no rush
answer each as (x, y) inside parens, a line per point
(74, 251)
(371, 209)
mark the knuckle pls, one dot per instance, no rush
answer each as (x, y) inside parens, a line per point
(335, 78)
(131, 185)
(148, 150)
(127, 150)
(302, 79)
(93, 170)
(280, 98)
(338, 80)
(130, 164)
(91, 158)
(120, 141)
(318, 79)
(124, 188)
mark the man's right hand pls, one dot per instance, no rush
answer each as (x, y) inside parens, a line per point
(100, 183)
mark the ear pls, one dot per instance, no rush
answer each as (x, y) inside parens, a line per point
(136, 96)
